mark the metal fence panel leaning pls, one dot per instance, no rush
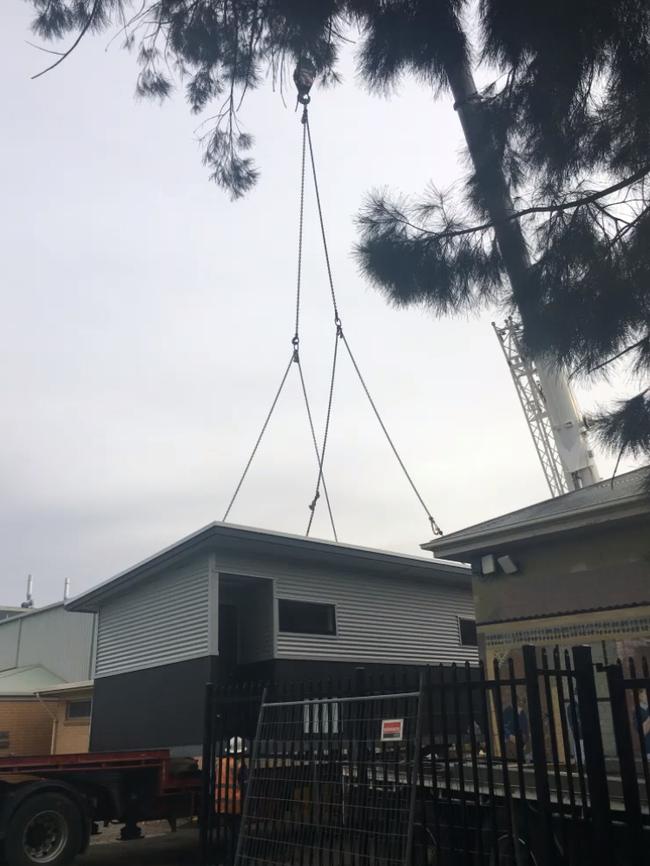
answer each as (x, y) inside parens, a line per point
(333, 782)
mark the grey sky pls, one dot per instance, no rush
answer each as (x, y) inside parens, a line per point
(146, 322)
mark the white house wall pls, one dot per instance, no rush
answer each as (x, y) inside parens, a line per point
(381, 620)
(161, 621)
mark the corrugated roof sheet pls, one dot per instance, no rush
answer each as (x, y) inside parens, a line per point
(27, 680)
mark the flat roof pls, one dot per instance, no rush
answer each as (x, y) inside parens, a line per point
(249, 541)
(624, 496)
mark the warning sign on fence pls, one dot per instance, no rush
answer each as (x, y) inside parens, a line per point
(392, 729)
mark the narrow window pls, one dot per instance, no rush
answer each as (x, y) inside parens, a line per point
(305, 617)
(467, 632)
(4, 739)
(78, 709)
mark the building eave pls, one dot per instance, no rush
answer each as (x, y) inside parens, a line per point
(463, 545)
(65, 688)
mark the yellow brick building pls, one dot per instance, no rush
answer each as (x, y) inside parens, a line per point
(71, 706)
(25, 719)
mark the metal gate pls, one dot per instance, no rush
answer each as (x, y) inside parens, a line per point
(333, 781)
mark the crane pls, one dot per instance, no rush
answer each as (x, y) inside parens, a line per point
(557, 429)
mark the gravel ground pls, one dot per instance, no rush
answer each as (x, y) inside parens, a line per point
(159, 847)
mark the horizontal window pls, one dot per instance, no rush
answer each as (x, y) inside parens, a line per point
(467, 632)
(306, 617)
(78, 709)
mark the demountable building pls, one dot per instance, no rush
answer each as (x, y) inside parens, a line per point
(234, 602)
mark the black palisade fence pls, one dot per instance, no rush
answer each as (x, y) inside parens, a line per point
(542, 759)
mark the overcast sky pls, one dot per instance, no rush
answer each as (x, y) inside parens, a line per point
(146, 321)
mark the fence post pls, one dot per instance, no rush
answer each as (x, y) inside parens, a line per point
(625, 751)
(544, 847)
(587, 699)
(206, 770)
(417, 761)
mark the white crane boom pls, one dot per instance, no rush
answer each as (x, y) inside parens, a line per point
(553, 418)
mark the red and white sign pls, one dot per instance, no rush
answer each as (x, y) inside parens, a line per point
(392, 729)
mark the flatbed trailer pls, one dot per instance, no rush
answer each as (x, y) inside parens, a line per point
(50, 805)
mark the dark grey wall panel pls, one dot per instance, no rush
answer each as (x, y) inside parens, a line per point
(155, 708)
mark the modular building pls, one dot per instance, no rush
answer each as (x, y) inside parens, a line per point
(231, 602)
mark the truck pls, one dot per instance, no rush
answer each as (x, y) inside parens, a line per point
(50, 805)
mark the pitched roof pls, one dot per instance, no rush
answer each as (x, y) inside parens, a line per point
(274, 547)
(625, 495)
(26, 681)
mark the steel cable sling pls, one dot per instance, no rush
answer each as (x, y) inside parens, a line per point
(304, 77)
(295, 359)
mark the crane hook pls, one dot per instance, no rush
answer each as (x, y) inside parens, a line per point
(304, 76)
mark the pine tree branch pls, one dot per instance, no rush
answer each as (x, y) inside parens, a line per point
(581, 367)
(81, 35)
(45, 50)
(534, 209)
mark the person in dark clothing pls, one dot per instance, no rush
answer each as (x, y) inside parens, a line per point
(643, 719)
(510, 720)
(575, 731)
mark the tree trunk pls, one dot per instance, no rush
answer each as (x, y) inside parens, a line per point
(568, 427)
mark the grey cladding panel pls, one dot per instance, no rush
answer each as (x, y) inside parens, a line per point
(164, 620)
(381, 620)
(60, 640)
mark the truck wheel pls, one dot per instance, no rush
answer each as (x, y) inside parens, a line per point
(45, 829)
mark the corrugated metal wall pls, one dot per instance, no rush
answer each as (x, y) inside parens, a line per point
(381, 620)
(164, 620)
(59, 640)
